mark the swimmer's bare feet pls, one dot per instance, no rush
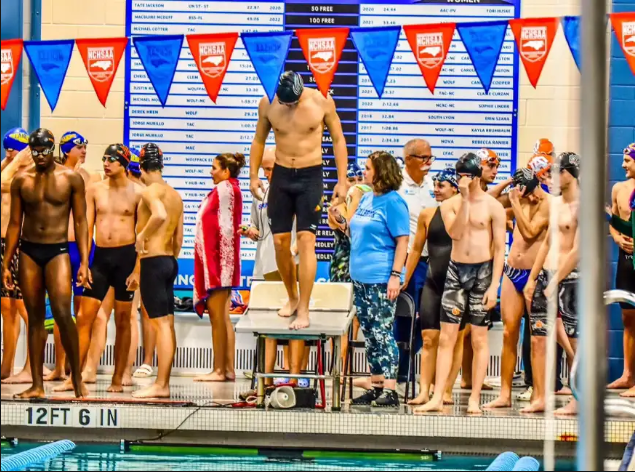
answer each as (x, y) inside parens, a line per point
(230, 376)
(301, 322)
(155, 391)
(447, 399)
(115, 388)
(622, 383)
(30, 394)
(289, 309)
(500, 402)
(629, 394)
(570, 410)
(434, 406)
(55, 375)
(89, 377)
(213, 377)
(67, 386)
(537, 406)
(565, 392)
(474, 407)
(23, 377)
(127, 379)
(81, 391)
(422, 399)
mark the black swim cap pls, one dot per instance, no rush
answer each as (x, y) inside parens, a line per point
(119, 152)
(290, 87)
(570, 162)
(151, 157)
(469, 164)
(526, 178)
(42, 138)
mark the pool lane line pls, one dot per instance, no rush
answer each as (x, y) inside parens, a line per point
(192, 450)
(372, 456)
(423, 456)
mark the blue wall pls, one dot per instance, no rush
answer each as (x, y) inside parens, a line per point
(621, 133)
(12, 29)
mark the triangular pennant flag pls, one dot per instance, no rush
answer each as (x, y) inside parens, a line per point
(50, 61)
(101, 58)
(483, 43)
(534, 37)
(430, 45)
(11, 55)
(376, 47)
(160, 57)
(571, 28)
(322, 48)
(624, 26)
(268, 52)
(212, 54)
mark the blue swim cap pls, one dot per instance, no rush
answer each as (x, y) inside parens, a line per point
(134, 167)
(70, 140)
(16, 139)
(354, 171)
(447, 175)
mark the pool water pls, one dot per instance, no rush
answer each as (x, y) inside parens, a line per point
(105, 458)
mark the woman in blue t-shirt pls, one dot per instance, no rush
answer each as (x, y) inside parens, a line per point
(379, 244)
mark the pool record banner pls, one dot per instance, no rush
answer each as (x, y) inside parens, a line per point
(191, 129)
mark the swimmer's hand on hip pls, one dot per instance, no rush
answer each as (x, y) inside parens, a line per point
(257, 188)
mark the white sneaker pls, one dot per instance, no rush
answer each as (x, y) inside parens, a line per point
(526, 395)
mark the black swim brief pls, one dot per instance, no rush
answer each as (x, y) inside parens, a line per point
(296, 194)
(567, 304)
(43, 254)
(625, 277)
(465, 287)
(157, 285)
(14, 294)
(111, 268)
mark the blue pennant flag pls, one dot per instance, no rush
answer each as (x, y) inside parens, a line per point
(483, 42)
(571, 27)
(376, 47)
(159, 56)
(50, 61)
(268, 52)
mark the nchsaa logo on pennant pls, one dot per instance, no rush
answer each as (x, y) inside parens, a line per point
(430, 51)
(628, 36)
(533, 43)
(7, 66)
(101, 63)
(213, 58)
(322, 54)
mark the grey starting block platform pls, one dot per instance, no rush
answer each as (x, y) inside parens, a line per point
(331, 311)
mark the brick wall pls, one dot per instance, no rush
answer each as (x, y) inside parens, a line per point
(621, 133)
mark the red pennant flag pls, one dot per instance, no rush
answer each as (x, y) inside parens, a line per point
(430, 45)
(322, 49)
(101, 59)
(212, 53)
(534, 37)
(11, 55)
(624, 26)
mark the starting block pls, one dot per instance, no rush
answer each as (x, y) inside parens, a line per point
(331, 310)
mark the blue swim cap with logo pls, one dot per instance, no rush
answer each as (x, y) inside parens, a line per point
(16, 139)
(70, 140)
(134, 167)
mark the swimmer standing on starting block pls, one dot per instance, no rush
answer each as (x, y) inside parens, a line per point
(42, 199)
(297, 117)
